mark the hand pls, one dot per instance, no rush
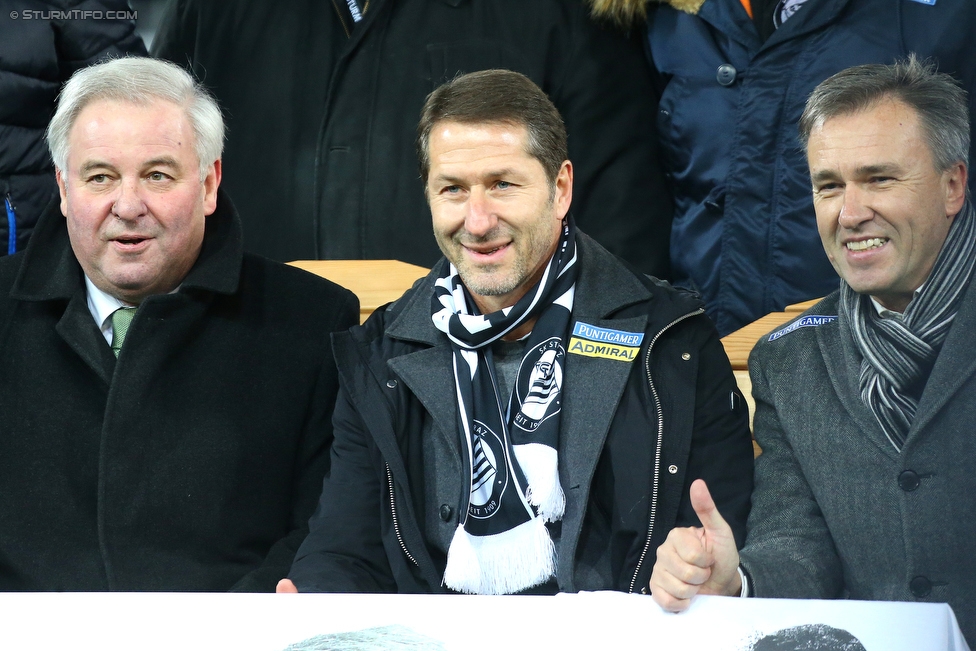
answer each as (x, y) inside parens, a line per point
(696, 560)
(285, 585)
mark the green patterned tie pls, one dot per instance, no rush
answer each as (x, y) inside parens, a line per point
(121, 318)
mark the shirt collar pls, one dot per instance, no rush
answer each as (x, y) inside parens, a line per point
(885, 313)
(101, 306)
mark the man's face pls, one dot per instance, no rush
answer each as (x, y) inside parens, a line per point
(495, 216)
(883, 210)
(133, 198)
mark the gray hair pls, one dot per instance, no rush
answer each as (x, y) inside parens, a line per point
(936, 97)
(497, 97)
(138, 80)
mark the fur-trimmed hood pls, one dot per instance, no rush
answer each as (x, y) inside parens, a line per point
(630, 12)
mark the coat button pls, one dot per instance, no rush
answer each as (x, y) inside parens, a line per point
(673, 469)
(726, 74)
(908, 481)
(447, 512)
(391, 384)
(686, 356)
(920, 586)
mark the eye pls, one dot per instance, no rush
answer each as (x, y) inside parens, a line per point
(503, 185)
(158, 176)
(98, 178)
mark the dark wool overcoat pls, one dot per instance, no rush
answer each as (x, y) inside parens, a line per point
(194, 460)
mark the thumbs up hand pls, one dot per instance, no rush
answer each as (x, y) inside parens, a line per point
(696, 560)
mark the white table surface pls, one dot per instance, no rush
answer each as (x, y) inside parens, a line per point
(604, 620)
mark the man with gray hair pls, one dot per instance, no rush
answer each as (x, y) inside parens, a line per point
(864, 404)
(166, 398)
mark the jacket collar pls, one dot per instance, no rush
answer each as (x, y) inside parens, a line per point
(51, 272)
(731, 19)
(604, 286)
(954, 366)
(843, 362)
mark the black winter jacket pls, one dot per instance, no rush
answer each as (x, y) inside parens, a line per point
(634, 435)
(321, 157)
(39, 50)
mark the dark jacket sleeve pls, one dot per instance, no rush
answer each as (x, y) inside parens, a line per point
(604, 92)
(344, 550)
(311, 465)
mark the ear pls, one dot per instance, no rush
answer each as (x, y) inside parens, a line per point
(954, 180)
(62, 190)
(210, 185)
(563, 195)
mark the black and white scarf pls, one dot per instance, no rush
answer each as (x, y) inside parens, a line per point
(898, 354)
(502, 545)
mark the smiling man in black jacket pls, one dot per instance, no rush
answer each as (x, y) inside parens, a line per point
(528, 417)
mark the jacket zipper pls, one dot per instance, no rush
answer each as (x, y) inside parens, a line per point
(396, 523)
(660, 440)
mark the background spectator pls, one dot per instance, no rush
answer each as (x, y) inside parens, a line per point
(732, 90)
(322, 104)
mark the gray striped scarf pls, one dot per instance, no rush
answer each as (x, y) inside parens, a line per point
(898, 354)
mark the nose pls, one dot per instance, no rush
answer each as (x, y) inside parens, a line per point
(128, 202)
(855, 210)
(480, 218)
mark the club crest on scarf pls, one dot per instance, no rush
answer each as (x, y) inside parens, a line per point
(536, 396)
(502, 544)
(489, 472)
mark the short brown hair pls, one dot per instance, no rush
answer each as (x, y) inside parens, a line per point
(496, 97)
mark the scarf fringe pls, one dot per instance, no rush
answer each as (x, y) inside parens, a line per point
(539, 465)
(502, 563)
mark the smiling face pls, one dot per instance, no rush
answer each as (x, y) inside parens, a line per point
(133, 198)
(496, 216)
(883, 209)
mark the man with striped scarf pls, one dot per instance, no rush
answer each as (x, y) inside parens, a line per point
(530, 416)
(865, 404)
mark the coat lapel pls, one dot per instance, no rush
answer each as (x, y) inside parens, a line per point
(843, 363)
(428, 373)
(51, 274)
(813, 15)
(954, 367)
(78, 329)
(593, 389)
